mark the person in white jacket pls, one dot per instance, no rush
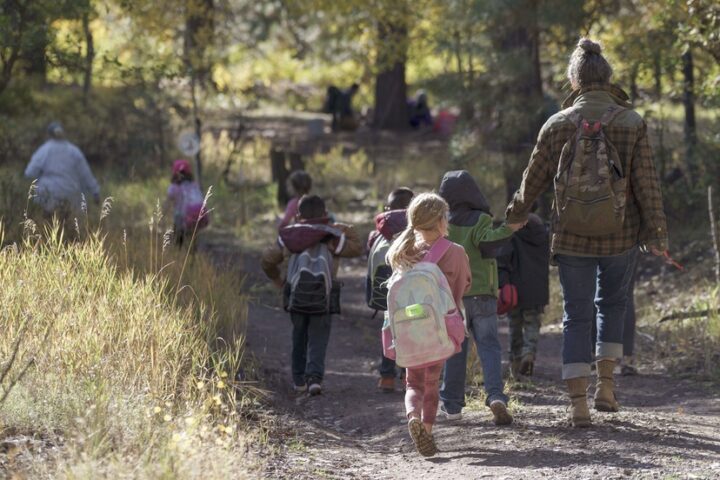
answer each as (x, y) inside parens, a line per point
(62, 173)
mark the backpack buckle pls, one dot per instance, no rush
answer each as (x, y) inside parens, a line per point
(591, 129)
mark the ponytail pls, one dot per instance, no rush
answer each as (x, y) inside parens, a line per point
(400, 255)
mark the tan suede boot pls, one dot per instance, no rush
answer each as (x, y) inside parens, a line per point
(579, 412)
(605, 400)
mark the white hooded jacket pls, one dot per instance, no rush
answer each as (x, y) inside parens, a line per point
(62, 174)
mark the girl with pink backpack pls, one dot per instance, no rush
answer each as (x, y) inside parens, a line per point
(190, 213)
(424, 325)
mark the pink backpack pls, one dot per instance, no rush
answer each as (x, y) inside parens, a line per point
(423, 326)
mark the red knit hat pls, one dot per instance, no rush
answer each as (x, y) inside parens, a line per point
(181, 166)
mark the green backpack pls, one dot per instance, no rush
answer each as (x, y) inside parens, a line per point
(590, 185)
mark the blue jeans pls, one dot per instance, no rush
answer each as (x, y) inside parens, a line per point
(481, 312)
(310, 337)
(387, 368)
(589, 283)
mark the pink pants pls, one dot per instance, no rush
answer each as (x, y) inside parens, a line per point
(423, 391)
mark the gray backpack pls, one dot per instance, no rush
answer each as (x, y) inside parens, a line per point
(309, 281)
(590, 185)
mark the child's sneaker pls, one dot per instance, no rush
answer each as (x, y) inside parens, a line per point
(386, 384)
(449, 416)
(315, 388)
(501, 416)
(424, 442)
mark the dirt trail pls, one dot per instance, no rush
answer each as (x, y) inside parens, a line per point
(668, 428)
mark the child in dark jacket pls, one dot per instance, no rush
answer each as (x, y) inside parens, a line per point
(311, 332)
(471, 225)
(525, 263)
(388, 225)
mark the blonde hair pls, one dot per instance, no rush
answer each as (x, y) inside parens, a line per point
(424, 214)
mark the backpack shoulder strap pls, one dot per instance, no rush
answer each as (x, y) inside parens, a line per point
(610, 114)
(438, 249)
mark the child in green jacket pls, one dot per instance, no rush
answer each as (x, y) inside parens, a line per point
(471, 225)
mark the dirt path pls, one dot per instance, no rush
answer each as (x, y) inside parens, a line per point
(668, 428)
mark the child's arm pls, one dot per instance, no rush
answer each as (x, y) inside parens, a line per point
(505, 264)
(270, 262)
(350, 245)
(485, 237)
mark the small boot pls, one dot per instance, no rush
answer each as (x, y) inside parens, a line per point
(605, 400)
(579, 412)
(527, 365)
(515, 368)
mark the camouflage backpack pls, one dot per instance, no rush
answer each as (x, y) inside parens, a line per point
(590, 185)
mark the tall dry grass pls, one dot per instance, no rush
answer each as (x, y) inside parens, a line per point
(126, 375)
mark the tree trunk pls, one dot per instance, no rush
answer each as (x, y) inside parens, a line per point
(390, 85)
(657, 74)
(199, 35)
(89, 55)
(521, 109)
(689, 104)
(633, 83)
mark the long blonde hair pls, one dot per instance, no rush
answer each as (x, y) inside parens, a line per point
(424, 214)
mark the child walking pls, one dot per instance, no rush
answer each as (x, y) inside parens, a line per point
(388, 225)
(423, 241)
(471, 226)
(310, 290)
(525, 263)
(186, 198)
(299, 184)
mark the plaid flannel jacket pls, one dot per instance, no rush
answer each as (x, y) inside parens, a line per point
(645, 223)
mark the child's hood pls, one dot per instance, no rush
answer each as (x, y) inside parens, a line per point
(390, 223)
(301, 236)
(534, 232)
(464, 197)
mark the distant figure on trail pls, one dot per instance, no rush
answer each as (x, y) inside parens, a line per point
(186, 198)
(311, 293)
(63, 175)
(607, 202)
(525, 266)
(424, 324)
(471, 225)
(299, 183)
(338, 103)
(419, 111)
(388, 225)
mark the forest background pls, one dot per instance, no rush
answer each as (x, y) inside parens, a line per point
(127, 77)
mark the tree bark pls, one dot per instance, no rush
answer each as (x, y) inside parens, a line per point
(390, 84)
(657, 74)
(89, 55)
(689, 104)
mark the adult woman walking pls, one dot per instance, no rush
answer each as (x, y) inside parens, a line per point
(607, 202)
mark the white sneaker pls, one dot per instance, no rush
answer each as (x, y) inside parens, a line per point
(449, 416)
(300, 388)
(315, 389)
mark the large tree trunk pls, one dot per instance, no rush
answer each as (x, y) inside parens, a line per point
(517, 39)
(390, 85)
(689, 104)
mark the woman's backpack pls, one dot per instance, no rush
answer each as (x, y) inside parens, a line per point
(422, 325)
(590, 185)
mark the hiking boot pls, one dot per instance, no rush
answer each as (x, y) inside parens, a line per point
(527, 365)
(501, 415)
(605, 400)
(300, 388)
(386, 384)
(579, 412)
(627, 367)
(442, 412)
(424, 441)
